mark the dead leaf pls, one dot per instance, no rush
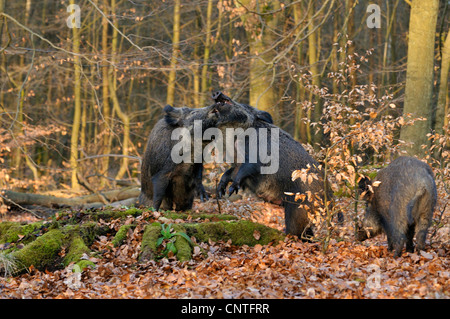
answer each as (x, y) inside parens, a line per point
(376, 183)
(426, 255)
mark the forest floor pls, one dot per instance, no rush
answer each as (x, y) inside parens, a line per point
(288, 269)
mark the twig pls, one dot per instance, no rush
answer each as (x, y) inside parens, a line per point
(21, 207)
(114, 27)
(110, 155)
(2, 14)
(439, 220)
(218, 202)
(83, 182)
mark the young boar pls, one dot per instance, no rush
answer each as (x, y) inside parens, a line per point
(402, 204)
(163, 182)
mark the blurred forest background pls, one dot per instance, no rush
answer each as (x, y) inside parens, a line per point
(82, 101)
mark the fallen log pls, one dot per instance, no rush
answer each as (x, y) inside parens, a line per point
(92, 200)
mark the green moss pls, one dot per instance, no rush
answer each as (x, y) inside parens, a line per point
(113, 214)
(148, 245)
(83, 264)
(133, 211)
(213, 217)
(240, 232)
(10, 231)
(77, 248)
(91, 230)
(121, 234)
(42, 252)
(184, 249)
(151, 234)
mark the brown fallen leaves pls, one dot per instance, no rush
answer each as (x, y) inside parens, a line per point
(289, 269)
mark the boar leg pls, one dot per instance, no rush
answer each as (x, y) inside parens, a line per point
(224, 181)
(421, 233)
(246, 170)
(198, 175)
(160, 185)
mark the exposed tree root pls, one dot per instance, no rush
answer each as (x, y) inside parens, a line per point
(66, 238)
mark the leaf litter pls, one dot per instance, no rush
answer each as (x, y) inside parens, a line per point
(288, 269)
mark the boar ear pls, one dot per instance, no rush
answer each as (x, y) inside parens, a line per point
(173, 116)
(264, 116)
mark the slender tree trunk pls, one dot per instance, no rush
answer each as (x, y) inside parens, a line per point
(419, 73)
(17, 157)
(206, 53)
(389, 39)
(300, 127)
(442, 104)
(313, 55)
(77, 107)
(196, 78)
(112, 85)
(175, 50)
(106, 111)
(84, 118)
(126, 130)
(334, 53)
(3, 56)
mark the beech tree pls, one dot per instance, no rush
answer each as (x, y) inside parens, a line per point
(419, 73)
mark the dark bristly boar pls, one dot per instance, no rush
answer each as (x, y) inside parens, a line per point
(402, 204)
(163, 182)
(271, 187)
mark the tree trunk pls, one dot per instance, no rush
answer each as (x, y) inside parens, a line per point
(77, 107)
(442, 104)
(206, 53)
(17, 157)
(313, 54)
(300, 125)
(106, 111)
(419, 73)
(175, 50)
(263, 94)
(16, 198)
(126, 130)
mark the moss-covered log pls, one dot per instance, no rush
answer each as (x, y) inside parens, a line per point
(241, 232)
(121, 234)
(40, 253)
(13, 231)
(150, 248)
(67, 238)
